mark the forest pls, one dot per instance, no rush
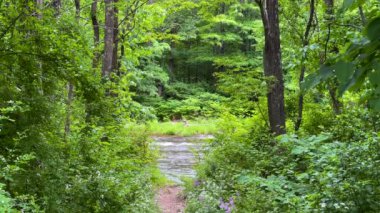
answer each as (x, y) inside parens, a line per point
(285, 94)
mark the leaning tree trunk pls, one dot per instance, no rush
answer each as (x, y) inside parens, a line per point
(272, 65)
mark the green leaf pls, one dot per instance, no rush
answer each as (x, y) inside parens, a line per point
(344, 72)
(351, 4)
(347, 4)
(358, 79)
(299, 150)
(314, 79)
(373, 29)
(374, 77)
(375, 104)
(318, 139)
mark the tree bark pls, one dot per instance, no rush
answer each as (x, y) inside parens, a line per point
(336, 104)
(272, 65)
(57, 4)
(77, 9)
(95, 27)
(70, 97)
(115, 64)
(362, 16)
(108, 38)
(40, 4)
(305, 42)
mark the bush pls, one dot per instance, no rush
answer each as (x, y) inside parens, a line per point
(96, 169)
(259, 173)
(203, 105)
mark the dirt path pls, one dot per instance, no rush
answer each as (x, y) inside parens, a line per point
(170, 199)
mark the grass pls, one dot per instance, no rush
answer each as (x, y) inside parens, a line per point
(193, 127)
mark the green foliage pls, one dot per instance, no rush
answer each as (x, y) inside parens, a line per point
(185, 128)
(78, 154)
(86, 149)
(206, 105)
(187, 101)
(357, 67)
(288, 174)
(213, 36)
(6, 203)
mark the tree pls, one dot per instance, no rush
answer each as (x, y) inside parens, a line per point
(272, 65)
(305, 42)
(336, 104)
(108, 38)
(95, 27)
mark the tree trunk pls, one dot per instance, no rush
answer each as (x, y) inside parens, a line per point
(70, 86)
(57, 4)
(272, 65)
(305, 42)
(362, 16)
(108, 38)
(40, 4)
(77, 9)
(95, 27)
(171, 63)
(70, 97)
(115, 64)
(336, 104)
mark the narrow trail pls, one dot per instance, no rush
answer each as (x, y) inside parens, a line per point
(176, 161)
(170, 200)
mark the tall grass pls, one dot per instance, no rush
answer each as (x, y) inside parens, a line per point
(181, 128)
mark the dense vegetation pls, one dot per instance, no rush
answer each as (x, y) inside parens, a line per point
(289, 89)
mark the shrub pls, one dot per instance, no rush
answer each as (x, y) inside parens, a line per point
(289, 174)
(205, 105)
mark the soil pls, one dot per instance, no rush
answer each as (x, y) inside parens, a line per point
(170, 199)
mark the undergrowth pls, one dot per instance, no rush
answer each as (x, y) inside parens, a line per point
(184, 128)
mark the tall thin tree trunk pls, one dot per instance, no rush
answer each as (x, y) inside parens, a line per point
(122, 52)
(70, 97)
(70, 86)
(336, 104)
(57, 4)
(108, 38)
(95, 27)
(305, 42)
(77, 9)
(171, 62)
(272, 65)
(362, 16)
(115, 64)
(39, 12)
(40, 4)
